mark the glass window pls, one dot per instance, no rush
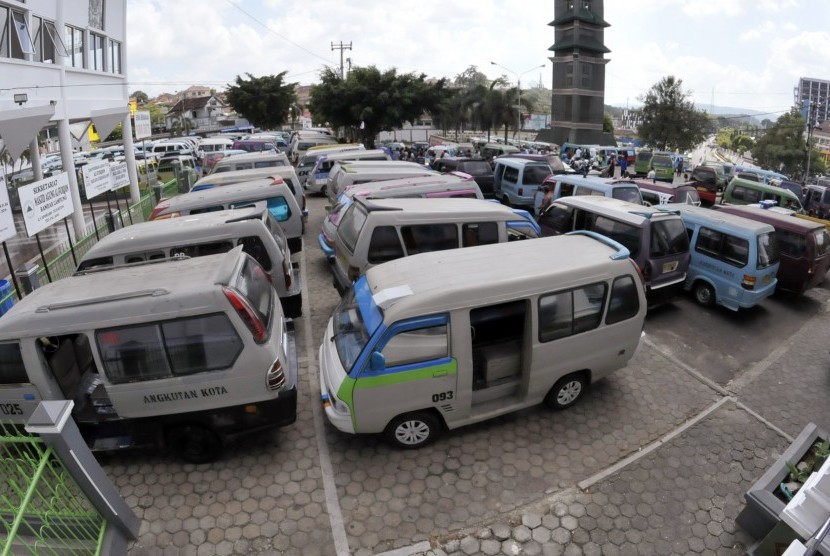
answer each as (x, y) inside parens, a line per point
(201, 344)
(48, 43)
(5, 34)
(12, 370)
(535, 175)
(202, 249)
(255, 248)
(768, 254)
(482, 233)
(708, 241)
(74, 39)
(115, 57)
(557, 218)
(133, 354)
(385, 245)
(510, 174)
(571, 312)
(822, 241)
(626, 234)
(96, 52)
(255, 287)
(350, 226)
(21, 39)
(278, 207)
(736, 250)
(414, 346)
(629, 194)
(625, 302)
(350, 331)
(792, 244)
(668, 237)
(429, 237)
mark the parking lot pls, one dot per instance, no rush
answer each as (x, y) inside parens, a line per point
(655, 459)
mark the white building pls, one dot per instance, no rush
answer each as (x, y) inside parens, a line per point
(63, 62)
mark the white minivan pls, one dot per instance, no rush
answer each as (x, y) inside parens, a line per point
(197, 235)
(485, 331)
(186, 355)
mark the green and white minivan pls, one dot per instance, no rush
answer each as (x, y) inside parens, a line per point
(486, 331)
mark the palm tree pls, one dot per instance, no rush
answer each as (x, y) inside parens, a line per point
(181, 125)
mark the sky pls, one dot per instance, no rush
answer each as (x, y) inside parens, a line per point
(746, 54)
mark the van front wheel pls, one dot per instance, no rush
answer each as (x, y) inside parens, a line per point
(704, 294)
(412, 430)
(566, 391)
(195, 443)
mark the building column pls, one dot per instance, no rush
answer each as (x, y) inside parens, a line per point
(34, 158)
(65, 138)
(129, 153)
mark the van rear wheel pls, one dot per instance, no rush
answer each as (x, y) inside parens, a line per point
(704, 294)
(195, 443)
(412, 430)
(566, 391)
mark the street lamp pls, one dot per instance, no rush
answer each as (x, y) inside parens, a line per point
(519, 86)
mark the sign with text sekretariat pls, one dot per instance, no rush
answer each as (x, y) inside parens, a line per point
(45, 202)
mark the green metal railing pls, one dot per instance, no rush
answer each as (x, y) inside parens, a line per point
(42, 508)
(63, 265)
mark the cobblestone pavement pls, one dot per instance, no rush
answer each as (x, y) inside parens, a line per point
(655, 459)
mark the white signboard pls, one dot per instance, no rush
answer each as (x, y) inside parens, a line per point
(45, 202)
(7, 230)
(120, 177)
(143, 126)
(97, 178)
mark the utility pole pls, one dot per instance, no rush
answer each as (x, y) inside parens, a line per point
(341, 46)
(811, 116)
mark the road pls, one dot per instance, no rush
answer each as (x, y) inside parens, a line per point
(654, 459)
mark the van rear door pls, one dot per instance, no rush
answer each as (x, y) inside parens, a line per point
(18, 396)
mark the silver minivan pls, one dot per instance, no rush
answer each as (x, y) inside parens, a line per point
(250, 161)
(198, 235)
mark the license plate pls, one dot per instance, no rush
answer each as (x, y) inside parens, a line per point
(670, 267)
(766, 279)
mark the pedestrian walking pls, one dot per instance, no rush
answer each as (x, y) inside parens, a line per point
(624, 166)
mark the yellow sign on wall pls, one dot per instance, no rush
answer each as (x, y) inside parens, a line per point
(133, 105)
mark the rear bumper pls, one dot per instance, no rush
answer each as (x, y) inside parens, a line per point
(327, 250)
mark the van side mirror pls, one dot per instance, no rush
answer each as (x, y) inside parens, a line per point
(377, 361)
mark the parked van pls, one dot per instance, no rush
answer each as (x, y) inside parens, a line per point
(346, 174)
(657, 193)
(198, 235)
(566, 185)
(318, 176)
(377, 231)
(185, 355)
(663, 164)
(408, 353)
(454, 184)
(214, 144)
(270, 193)
(492, 150)
(734, 260)
(305, 141)
(817, 201)
(804, 246)
(286, 173)
(250, 161)
(642, 162)
(655, 237)
(745, 192)
(516, 180)
(255, 145)
(307, 162)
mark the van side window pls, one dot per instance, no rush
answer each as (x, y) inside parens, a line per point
(265, 164)
(202, 249)
(510, 174)
(566, 190)
(558, 218)
(429, 237)
(94, 263)
(794, 245)
(12, 370)
(245, 166)
(208, 209)
(173, 348)
(625, 303)
(570, 312)
(482, 233)
(415, 346)
(385, 245)
(257, 250)
(730, 249)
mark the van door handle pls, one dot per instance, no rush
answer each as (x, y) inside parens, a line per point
(442, 372)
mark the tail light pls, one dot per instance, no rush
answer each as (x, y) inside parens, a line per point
(639, 272)
(748, 283)
(167, 216)
(275, 377)
(647, 272)
(521, 192)
(247, 314)
(286, 272)
(353, 273)
(159, 207)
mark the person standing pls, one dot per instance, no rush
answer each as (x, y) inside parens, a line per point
(623, 166)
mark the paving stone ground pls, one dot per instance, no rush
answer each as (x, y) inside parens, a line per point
(507, 486)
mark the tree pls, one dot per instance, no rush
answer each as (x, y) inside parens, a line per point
(784, 149)
(369, 101)
(263, 101)
(670, 119)
(607, 124)
(470, 78)
(180, 125)
(140, 97)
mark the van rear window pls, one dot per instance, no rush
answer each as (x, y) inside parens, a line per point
(12, 370)
(535, 174)
(768, 253)
(629, 194)
(668, 237)
(255, 287)
(167, 349)
(626, 234)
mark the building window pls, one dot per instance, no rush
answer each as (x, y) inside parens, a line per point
(15, 40)
(96, 14)
(47, 42)
(115, 57)
(74, 38)
(97, 49)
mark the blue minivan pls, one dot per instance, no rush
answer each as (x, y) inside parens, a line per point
(734, 260)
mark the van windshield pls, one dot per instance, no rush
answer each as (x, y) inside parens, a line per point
(350, 332)
(350, 226)
(767, 250)
(630, 194)
(536, 174)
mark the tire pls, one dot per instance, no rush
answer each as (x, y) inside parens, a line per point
(323, 191)
(412, 430)
(195, 443)
(505, 200)
(566, 391)
(704, 294)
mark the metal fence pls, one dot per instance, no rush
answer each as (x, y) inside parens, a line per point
(63, 264)
(42, 508)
